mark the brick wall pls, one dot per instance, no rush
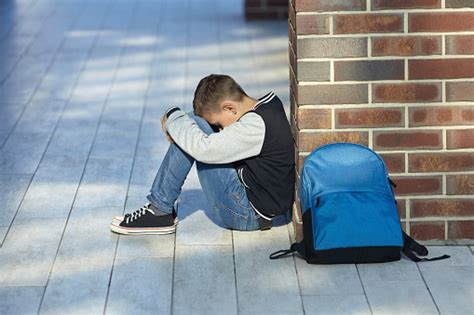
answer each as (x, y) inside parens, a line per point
(397, 76)
(266, 9)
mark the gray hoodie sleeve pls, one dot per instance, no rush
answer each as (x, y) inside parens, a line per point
(238, 141)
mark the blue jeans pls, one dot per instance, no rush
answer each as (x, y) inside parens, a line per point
(220, 184)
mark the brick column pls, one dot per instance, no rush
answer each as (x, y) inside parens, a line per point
(396, 76)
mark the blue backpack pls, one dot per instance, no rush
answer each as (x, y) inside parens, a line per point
(349, 210)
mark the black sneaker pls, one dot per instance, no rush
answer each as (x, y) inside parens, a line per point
(146, 220)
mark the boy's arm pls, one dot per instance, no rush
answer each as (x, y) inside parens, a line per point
(238, 141)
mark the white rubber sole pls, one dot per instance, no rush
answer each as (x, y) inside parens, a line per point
(115, 227)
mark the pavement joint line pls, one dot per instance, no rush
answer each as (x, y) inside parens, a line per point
(24, 53)
(363, 289)
(428, 288)
(143, 110)
(91, 49)
(64, 105)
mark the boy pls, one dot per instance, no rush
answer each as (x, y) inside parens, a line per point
(246, 169)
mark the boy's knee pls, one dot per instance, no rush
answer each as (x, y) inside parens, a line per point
(202, 123)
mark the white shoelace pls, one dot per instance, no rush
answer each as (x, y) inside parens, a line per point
(130, 217)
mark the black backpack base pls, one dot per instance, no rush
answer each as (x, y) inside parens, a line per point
(360, 255)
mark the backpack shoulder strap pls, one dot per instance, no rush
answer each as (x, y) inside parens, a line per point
(410, 247)
(295, 247)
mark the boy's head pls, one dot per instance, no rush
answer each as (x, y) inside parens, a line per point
(219, 99)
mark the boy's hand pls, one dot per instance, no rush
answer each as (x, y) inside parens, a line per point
(163, 127)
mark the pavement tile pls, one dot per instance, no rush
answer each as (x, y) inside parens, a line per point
(104, 183)
(76, 293)
(50, 194)
(61, 78)
(12, 190)
(197, 223)
(22, 152)
(354, 304)
(263, 285)
(397, 270)
(399, 297)
(115, 144)
(20, 300)
(28, 252)
(40, 116)
(460, 256)
(147, 281)
(197, 288)
(80, 276)
(3, 233)
(9, 114)
(328, 279)
(451, 287)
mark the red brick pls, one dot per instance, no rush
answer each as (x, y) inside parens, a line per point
(313, 71)
(312, 24)
(314, 118)
(294, 131)
(405, 4)
(460, 139)
(462, 184)
(369, 70)
(441, 68)
(461, 230)
(406, 45)
(411, 139)
(401, 207)
(441, 162)
(333, 47)
(292, 59)
(395, 162)
(300, 162)
(291, 15)
(424, 231)
(459, 4)
(441, 115)
(417, 185)
(406, 92)
(293, 85)
(460, 91)
(367, 23)
(369, 117)
(308, 141)
(460, 45)
(332, 94)
(441, 22)
(297, 218)
(330, 5)
(421, 208)
(293, 106)
(292, 38)
(404, 226)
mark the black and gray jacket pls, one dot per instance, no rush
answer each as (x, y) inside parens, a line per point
(260, 146)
